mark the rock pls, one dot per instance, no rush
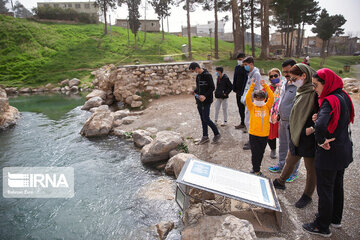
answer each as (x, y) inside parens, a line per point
(74, 82)
(152, 130)
(99, 124)
(355, 90)
(25, 90)
(74, 89)
(56, 89)
(141, 138)
(100, 108)
(175, 164)
(49, 86)
(8, 114)
(92, 102)
(64, 83)
(168, 59)
(174, 234)
(137, 113)
(11, 90)
(171, 154)
(136, 104)
(199, 195)
(117, 123)
(158, 149)
(129, 119)
(219, 228)
(121, 114)
(136, 97)
(96, 93)
(118, 132)
(192, 215)
(160, 189)
(67, 88)
(163, 228)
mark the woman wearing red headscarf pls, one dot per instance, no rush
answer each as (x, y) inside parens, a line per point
(334, 150)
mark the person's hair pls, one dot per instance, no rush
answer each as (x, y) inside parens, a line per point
(194, 65)
(274, 70)
(259, 94)
(295, 70)
(240, 55)
(220, 69)
(322, 81)
(248, 60)
(288, 62)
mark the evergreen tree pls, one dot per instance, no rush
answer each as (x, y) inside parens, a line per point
(3, 8)
(162, 9)
(105, 6)
(21, 11)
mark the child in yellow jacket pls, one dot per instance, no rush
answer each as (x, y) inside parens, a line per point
(259, 126)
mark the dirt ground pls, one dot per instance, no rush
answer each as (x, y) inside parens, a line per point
(179, 113)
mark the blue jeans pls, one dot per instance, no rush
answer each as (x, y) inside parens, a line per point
(204, 112)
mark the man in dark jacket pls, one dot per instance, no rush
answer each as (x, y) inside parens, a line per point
(222, 91)
(239, 82)
(204, 97)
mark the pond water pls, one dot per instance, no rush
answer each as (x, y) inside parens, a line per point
(108, 175)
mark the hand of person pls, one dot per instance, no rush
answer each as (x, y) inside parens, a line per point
(253, 81)
(309, 131)
(326, 144)
(202, 98)
(262, 82)
(314, 117)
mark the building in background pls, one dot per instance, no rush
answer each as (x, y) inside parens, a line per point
(82, 7)
(204, 30)
(151, 25)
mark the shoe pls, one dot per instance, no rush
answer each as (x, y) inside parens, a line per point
(244, 130)
(203, 140)
(275, 169)
(313, 229)
(303, 201)
(246, 146)
(278, 185)
(224, 124)
(241, 125)
(257, 173)
(273, 154)
(216, 138)
(292, 178)
(334, 225)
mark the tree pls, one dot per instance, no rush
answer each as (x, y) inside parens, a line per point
(162, 9)
(236, 27)
(3, 8)
(326, 26)
(104, 6)
(21, 11)
(134, 15)
(265, 28)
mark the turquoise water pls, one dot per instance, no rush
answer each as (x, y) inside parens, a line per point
(108, 175)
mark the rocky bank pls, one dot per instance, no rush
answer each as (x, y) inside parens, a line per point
(8, 114)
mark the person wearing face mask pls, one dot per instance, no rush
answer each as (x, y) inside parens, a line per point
(302, 139)
(254, 72)
(287, 95)
(222, 91)
(259, 125)
(204, 97)
(239, 82)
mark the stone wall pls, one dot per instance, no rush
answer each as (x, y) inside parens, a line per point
(122, 83)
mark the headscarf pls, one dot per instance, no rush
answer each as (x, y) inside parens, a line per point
(304, 104)
(333, 82)
(274, 111)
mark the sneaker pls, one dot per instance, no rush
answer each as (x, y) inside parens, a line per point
(275, 169)
(241, 125)
(303, 201)
(292, 178)
(313, 229)
(216, 138)
(334, 225)
(257, 173)
(203, 140)
(246, 146)
(224, 124)
(278, 185)
(273, 154)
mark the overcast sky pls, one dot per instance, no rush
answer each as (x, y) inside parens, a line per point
(349, 8)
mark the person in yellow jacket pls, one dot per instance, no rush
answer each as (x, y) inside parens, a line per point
(259, 126)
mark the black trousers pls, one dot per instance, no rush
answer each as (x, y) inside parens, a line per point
(330, 189)
(241, 108)
(272, 143)
(204, 112)
(257, 146)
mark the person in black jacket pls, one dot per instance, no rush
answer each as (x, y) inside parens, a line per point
(222, 91)
(333, 151)
(204, 97)
(239, 82)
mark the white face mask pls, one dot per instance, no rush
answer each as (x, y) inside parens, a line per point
(298, 83)
(239, 62)
(259, 103)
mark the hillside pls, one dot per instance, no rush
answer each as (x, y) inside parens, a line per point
(37, 53)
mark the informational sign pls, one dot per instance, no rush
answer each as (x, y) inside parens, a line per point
(229, 182)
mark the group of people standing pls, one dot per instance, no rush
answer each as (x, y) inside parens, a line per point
(307, 110)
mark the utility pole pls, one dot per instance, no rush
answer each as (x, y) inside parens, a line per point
(168, 23)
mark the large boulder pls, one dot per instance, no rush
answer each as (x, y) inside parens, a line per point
(141, 138)
(74, 82)
(129, 119)
(99, 124)
(96, 93)
(163, 228)
(64, 83)
(135, 104)
(219, 228)
(8, 114)
(121, 114)
(159, 148)
(92, 102)
(175, 164)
